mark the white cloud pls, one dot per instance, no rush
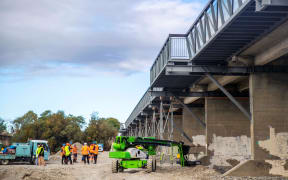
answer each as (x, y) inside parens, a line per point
(122, 35)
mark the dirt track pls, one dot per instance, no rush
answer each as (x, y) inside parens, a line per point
(54, 170)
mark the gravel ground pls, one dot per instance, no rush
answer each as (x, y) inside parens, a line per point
(102, 170)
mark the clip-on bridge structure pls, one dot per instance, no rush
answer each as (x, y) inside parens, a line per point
(222, 87)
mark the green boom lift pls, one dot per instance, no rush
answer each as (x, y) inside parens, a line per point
(139, 152)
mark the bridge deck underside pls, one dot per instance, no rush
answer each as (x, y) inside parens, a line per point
(240, 33)
(174, 81)
(243, 30)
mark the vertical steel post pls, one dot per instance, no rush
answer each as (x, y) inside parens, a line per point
(140, 129)
(171, 124)
(129, 131)
(161, 119)
(154, 124)
(146, 126)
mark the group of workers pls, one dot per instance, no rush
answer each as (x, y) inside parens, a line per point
(88, 152)
(40, 155)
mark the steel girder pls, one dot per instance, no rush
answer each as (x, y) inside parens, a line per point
(223, 29)
(222, 70)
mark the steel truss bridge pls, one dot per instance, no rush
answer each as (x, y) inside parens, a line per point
(223, 30)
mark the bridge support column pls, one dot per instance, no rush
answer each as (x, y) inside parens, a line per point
(161, 131)
(129, 131)
(195, 131)
(269, 127)
(227, 132)
(153, 133)
(140, 129)
(146, 127)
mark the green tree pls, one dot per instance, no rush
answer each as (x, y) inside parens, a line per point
(102, 130)
(25, 127)
(57, 128)
(3, 126)
(113, 122)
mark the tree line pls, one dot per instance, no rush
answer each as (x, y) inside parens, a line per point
(58, 128)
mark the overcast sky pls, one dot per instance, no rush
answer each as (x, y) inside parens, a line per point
(83, 56)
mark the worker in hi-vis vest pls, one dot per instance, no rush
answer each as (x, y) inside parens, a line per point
(67, 151)
(85, 153)
(94, 151)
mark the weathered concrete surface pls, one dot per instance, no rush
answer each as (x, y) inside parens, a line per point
(260, 168)
(178, 121)
(228, 133)
(251, 167)
(269, 108)
(195, 131)
(269, 127)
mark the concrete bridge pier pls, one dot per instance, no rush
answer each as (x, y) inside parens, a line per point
(195, 131)
(269, 127)
(227, 132)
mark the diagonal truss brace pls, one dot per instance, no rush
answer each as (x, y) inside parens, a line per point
(191, 112)
(232, 99)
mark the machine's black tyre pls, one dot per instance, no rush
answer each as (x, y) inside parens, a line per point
(115, 166)
(154, 165)
(149, 165)
(4, 161)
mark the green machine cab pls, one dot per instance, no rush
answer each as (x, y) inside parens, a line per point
(139, 152)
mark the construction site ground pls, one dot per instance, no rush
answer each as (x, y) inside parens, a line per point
(54, 170)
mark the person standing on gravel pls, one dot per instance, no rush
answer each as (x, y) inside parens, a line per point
(41, 156)
(74, 151)
(68, 153)
(85, 153)
(37, 154)
(63, 153)
(94, 151)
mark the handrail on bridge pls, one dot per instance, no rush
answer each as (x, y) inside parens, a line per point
(179, 47)
(185, 47)
(144, 101)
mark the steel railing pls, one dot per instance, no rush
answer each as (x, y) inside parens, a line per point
(174, 48)
(184, 47)
(144, 101)
(178, 47)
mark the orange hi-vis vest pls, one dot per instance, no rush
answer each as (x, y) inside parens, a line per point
(92, 148)
(62, 151)
(96, 149)
(85, 150)
(74, 150)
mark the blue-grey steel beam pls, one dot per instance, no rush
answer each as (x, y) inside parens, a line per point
(195, 94)
(223, 29)
(194, 70)
(213, 25)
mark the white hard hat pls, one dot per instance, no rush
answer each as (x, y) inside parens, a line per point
(85, 143)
